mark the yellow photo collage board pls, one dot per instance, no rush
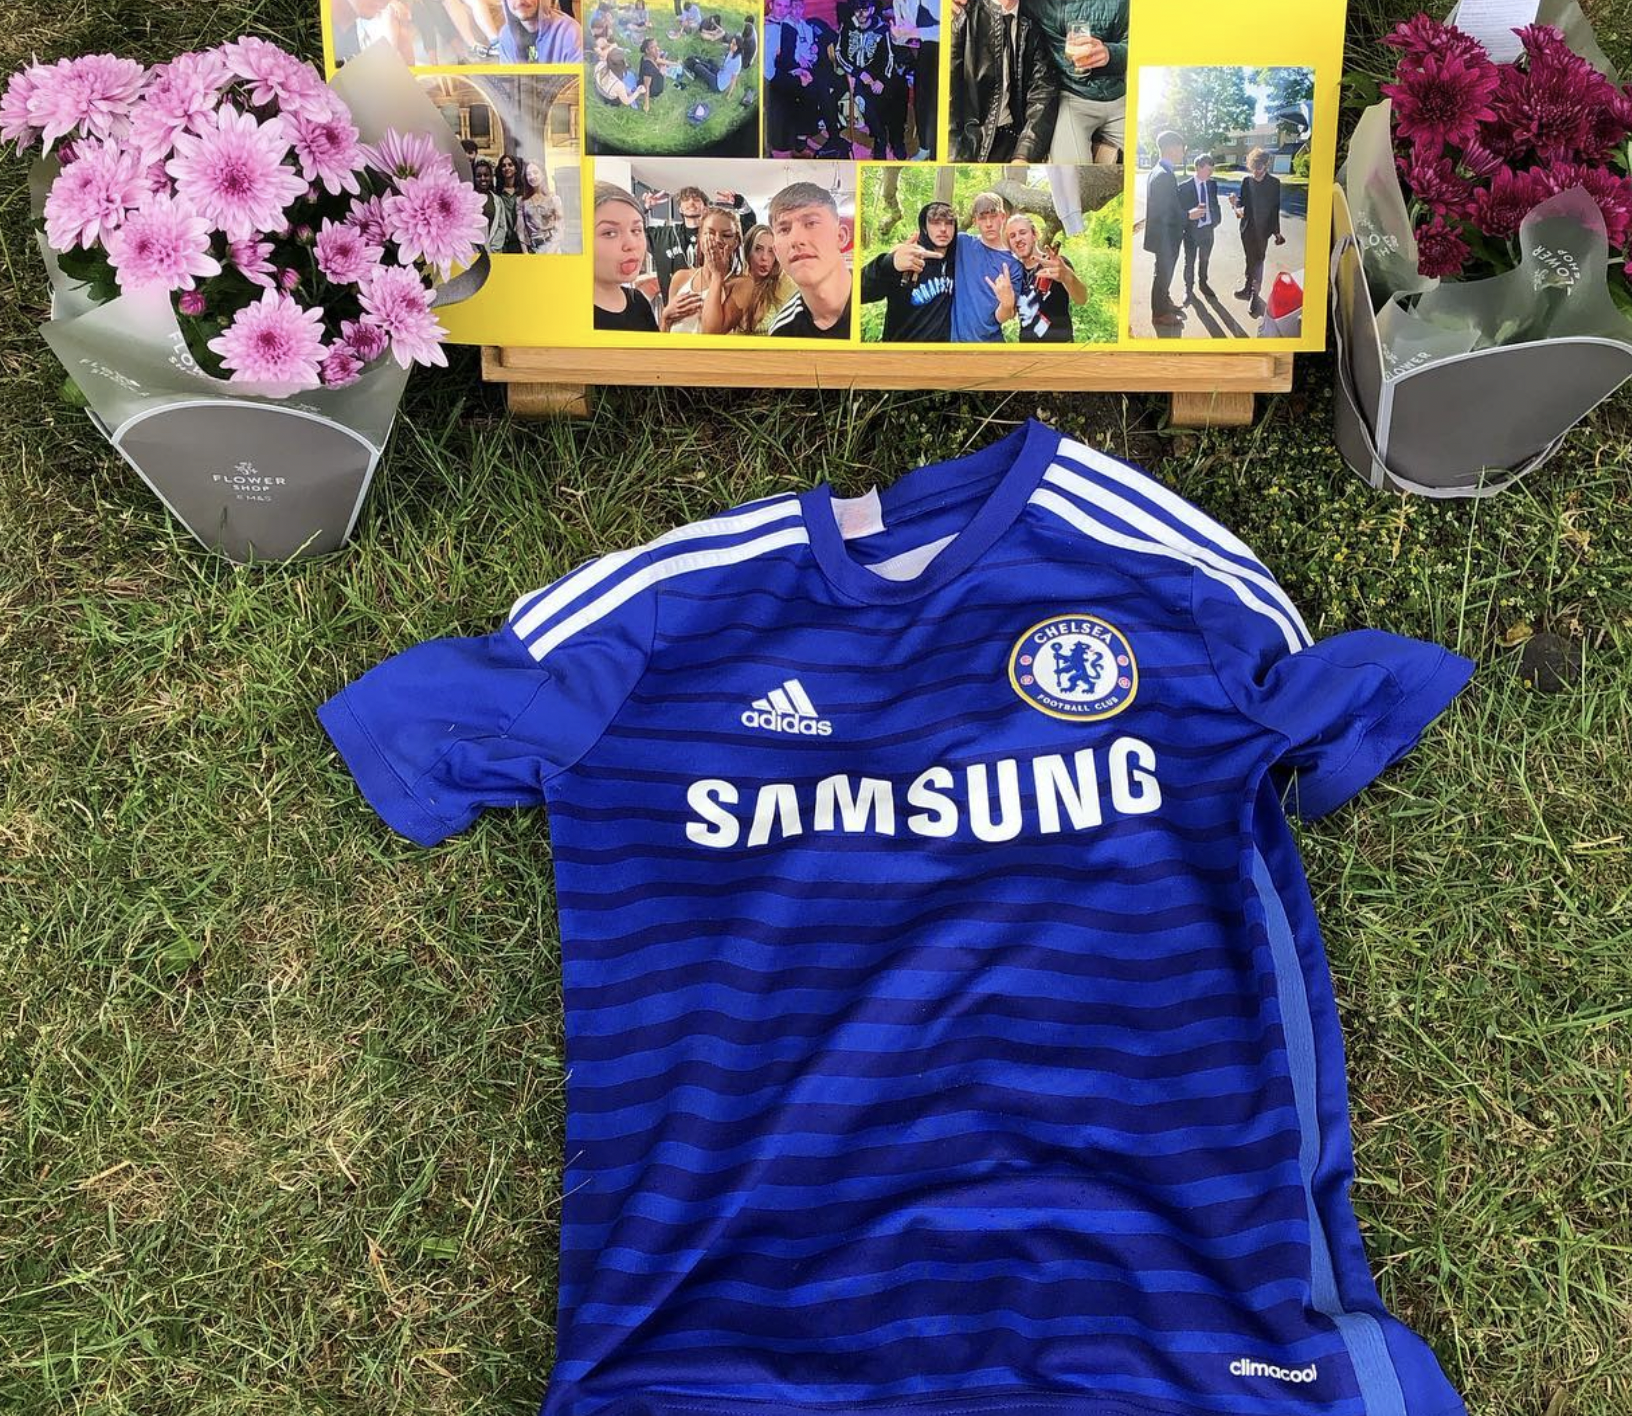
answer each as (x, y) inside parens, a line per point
(1107, 174)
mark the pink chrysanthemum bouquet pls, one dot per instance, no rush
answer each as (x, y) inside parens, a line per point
(234, 180)
(1480, 145)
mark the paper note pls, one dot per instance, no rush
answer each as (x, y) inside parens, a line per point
(1492, 23)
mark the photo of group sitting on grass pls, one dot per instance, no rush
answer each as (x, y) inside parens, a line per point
(673, 78)
(979, 254)
(852, 78)
(773, 260)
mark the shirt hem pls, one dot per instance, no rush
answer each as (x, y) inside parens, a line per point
(1083, 1403)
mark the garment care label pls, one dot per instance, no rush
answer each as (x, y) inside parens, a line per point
(1492, 23)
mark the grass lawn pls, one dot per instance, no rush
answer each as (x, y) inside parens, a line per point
(730, 129)
(281, 1094)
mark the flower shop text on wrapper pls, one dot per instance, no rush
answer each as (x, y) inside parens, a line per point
(1482, 266)
(245, 262)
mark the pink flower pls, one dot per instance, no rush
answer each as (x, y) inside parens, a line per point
(191, 303)
(15, 126)
(91, 195)
(273, 341)
(1441, 251)
(342, 367)
(328, 152)
(367, 341)
(1422, 36)
(1611, 124)
(232, 171)
(277, 77)
(400, 155)
(1551, 106)
(368, 216)
(183, 93)
(1613, 194)
(1436, 183)
(164, 242)
(1499, 208)
(1442, 102)
(1481, 162)
(343, 253)
(251, 258)
(289, 279)
(436, 217)
(90, 95)
(395, 299)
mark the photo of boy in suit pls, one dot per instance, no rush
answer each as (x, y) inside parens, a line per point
(1166, 216)
(1201, 193)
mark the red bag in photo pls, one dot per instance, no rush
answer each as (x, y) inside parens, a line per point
(1285, 295)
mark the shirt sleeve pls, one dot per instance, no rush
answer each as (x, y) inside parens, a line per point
(440, 732)
(1342, 710)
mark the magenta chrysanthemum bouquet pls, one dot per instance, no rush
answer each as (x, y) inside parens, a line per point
(234, 181)
(1480, 145)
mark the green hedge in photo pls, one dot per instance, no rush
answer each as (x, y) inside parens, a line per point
(1096, 254)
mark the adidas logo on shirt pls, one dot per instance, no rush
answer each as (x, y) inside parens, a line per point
(787, 710)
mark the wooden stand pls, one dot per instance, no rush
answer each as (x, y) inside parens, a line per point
(1207, 390)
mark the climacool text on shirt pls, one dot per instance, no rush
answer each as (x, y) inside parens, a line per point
(1068, 795)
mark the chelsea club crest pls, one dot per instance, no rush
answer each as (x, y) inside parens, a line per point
(1074, 666)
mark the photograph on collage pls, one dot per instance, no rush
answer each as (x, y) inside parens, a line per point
(448, 32)
(982, 254)
(521, 135)
(1221, 202)
(1046, 81)
(673, 79)
(852, 78)
(722, 247)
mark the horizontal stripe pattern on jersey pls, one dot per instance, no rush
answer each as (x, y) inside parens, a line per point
(948, 1025)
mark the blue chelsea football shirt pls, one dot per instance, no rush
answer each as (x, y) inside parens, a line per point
(948, 1027)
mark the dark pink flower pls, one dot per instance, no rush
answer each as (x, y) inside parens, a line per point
(1480, 162)
(1441, 251)
(1436, 183)
(1499, 208)
(1612, 192)
(288, 279)
(1423, 35)
(1551, 106)
(1610, 126)
(191, 302)
(1442, 102)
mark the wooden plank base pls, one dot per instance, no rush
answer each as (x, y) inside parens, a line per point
(1208, 390)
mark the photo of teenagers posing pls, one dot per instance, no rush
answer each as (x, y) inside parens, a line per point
(984, 254)
(448, 32)
(852, 78)
(695, 263)
(1222, 200)
(1039, 81)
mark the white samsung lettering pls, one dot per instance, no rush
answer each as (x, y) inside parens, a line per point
(1068, 796)
(937, 815)
(778, 804)
(1007, 825)
(1246, 1367)
(874, 797)
(718, 828)
(1123, 780)
(1056, 785)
